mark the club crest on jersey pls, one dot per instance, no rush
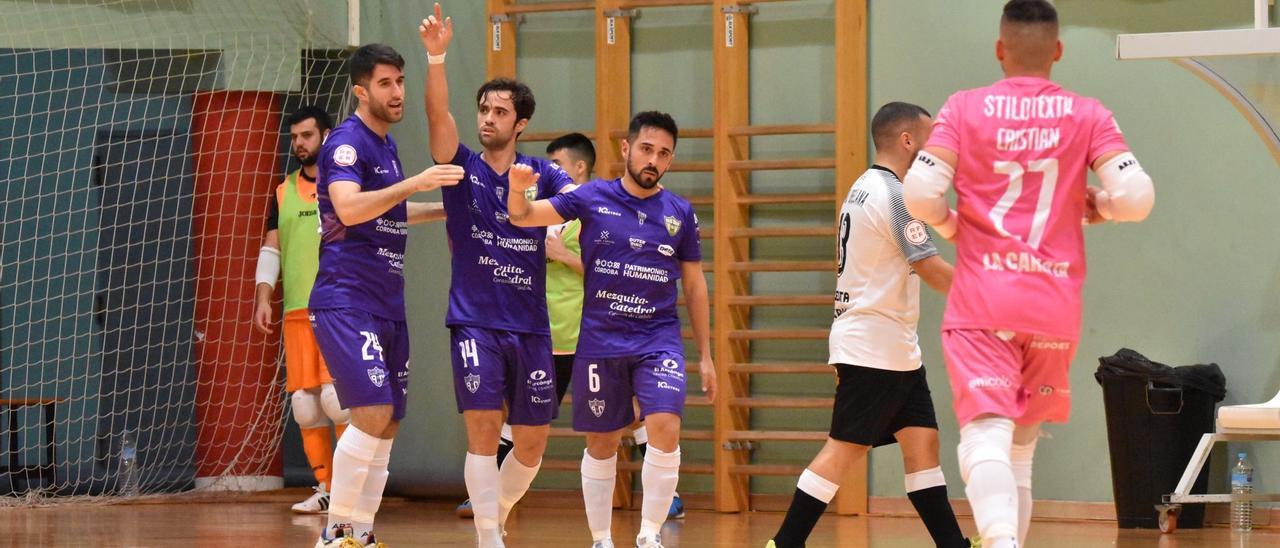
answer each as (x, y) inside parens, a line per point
(344, 155)
(473, 382)
(501, 191)
(377, 376)
(597, 407)
(673, 224)
(641, 216)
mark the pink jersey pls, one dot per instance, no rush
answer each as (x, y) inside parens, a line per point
(1023, 146)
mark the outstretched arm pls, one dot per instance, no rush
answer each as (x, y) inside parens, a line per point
(355, 206)
(520, 210)
(425, 212)
(436, 31)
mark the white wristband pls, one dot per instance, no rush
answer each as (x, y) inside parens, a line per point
(436, 59)
(268, 266)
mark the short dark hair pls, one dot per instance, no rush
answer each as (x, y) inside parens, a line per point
(892, 119)
(362, 62)
(1030, 12)
(521, 95)
(654, 119)
(578, 144)
(323, 121)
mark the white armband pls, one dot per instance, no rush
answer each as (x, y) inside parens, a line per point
(268, 266)
(436, 59)
(1128, 193)
(925, 189)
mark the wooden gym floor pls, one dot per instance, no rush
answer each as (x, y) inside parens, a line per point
(265, 520)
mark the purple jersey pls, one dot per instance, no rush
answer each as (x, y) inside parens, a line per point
(361, 266)
(499, 269)
(632, 250)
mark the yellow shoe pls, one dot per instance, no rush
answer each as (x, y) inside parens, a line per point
(771, 544)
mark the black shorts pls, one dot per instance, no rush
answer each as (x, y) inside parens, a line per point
(872, 404)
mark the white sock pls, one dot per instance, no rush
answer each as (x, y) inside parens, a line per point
(1021, 456)
(989, 484)
(506, 434)
(351, 460)
(481, 476)
(514, 479)
(659, 475)
(371, 495)
(641, 434)
(598, 477)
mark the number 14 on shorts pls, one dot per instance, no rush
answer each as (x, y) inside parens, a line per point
(467, 350)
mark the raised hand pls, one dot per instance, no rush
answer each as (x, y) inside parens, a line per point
(521, 177)
(439, 175)
(436, 31)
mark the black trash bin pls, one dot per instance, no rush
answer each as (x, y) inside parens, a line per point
(1156, 415)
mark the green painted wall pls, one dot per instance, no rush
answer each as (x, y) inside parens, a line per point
(1195, 283)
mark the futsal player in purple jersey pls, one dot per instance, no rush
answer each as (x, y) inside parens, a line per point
(497, 317)
(638, 240)
(357, 303)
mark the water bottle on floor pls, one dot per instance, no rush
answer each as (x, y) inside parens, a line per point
(128, 484)
(1241, 484)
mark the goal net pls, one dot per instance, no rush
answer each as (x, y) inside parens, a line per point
(140, 142)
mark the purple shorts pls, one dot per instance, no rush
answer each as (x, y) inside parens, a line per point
(496, 367)
(603, 387)
(368, 357)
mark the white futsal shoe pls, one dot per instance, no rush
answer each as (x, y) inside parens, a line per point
(341, 538)
(603, 543)
(317, 503)
(651, 541)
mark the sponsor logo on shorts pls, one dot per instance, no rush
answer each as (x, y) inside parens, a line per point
(670, 363)
(597, 407)
(377, 376)
(538, 375)
(666, 250)
(990, 383)
(538, 381)
(539, 400)
(1050, 345)
(915, 233)
(668, 386)
(636, 243)
(472, 381)
(1045, 390)
(344, 155)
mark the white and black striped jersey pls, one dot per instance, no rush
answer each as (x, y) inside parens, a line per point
(877, 300)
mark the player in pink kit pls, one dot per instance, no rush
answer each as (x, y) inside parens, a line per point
(1017, 151)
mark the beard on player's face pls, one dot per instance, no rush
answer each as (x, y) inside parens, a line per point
(644, 174)
(305, 157)
(492, 137)
(390, 111)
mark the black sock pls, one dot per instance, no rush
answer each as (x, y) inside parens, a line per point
(801, 517)
(935, 511)
(504, 449)
(642, 447)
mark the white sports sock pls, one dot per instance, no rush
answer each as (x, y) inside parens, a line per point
(1021, 456)
(641, 434)
(989, 484)
(351, 458)
(513, 479)
(659, 475)
(598, 477)
(506, 434)
(371, 495)
(481, 476)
